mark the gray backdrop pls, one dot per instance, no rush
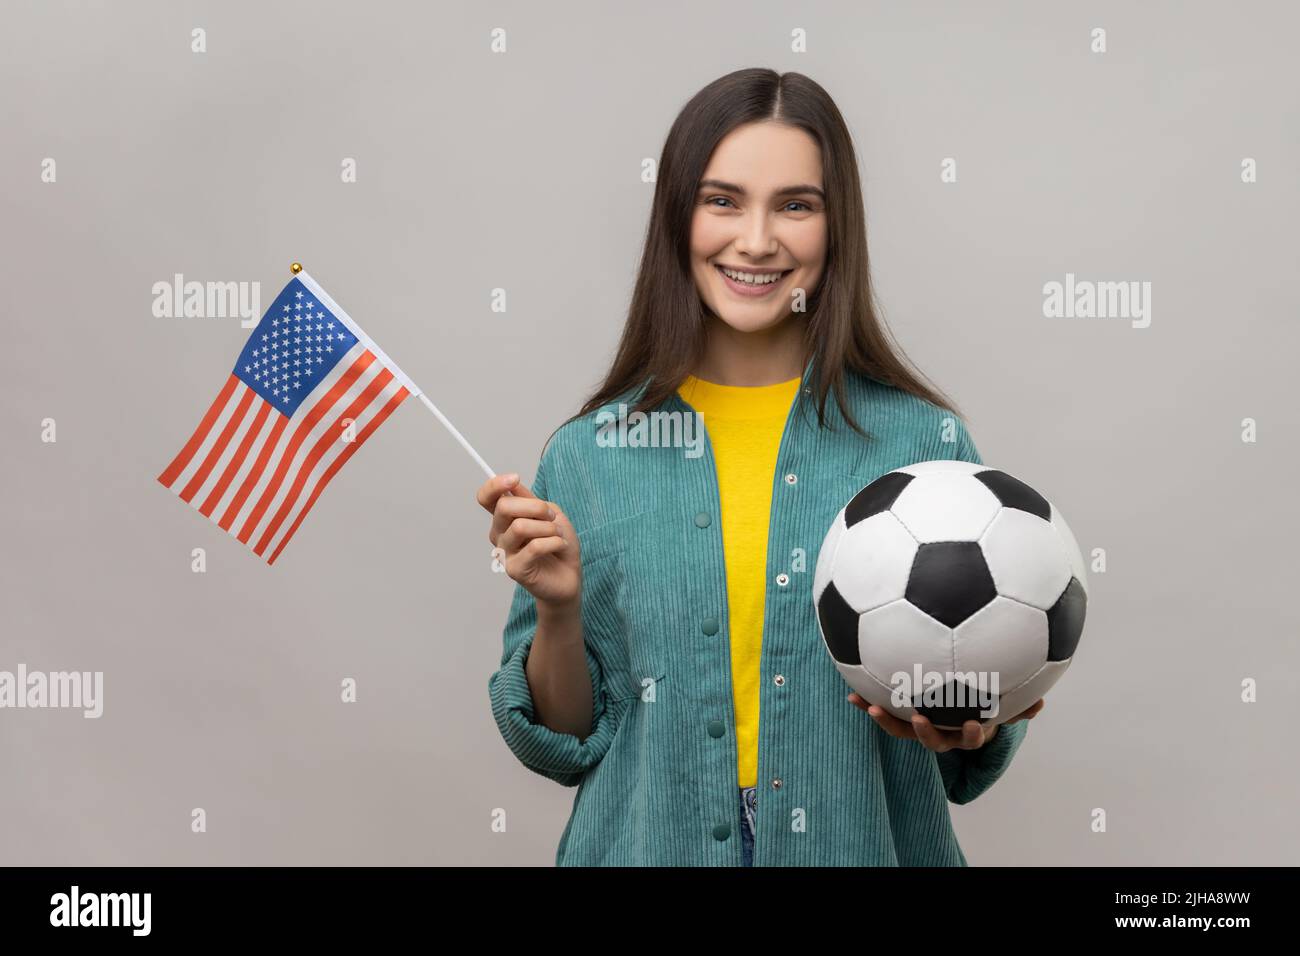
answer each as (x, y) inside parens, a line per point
(521, 171)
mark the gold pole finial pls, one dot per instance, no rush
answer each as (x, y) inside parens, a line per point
(295, 268)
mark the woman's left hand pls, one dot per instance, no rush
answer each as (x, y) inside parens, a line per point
(972, 736)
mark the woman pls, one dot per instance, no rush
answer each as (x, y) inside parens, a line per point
(661, 650)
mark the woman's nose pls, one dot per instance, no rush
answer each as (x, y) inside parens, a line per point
(756, 236)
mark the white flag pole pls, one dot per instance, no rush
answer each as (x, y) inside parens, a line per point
(457, 435)
(355, 329)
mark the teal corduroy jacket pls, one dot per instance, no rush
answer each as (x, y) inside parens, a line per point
(656, 777)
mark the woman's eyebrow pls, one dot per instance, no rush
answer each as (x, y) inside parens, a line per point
(801, 189)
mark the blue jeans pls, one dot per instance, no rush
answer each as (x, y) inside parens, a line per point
(748, 797)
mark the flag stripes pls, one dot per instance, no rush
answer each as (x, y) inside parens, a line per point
(168, 477)
(260, 470)
(397, 397)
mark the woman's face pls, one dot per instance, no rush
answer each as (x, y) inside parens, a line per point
(759, 211)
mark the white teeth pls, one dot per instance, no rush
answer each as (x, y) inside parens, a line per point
(753, 278)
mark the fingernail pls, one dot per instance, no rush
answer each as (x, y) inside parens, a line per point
(550, 513)
(511, 478)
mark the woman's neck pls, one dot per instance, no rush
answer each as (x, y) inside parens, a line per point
(766, 357)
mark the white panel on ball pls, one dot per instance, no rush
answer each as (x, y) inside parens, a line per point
(1003, 636)
(946, 507)
(1071, 546)
(1021, 698)
(872, 562)
(872, 690)
(944, 466)
(1025, 557)
(899, 636)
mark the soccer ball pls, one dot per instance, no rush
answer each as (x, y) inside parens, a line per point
(952, 590)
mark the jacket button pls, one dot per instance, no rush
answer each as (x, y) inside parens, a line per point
(702, 519)
(776, 783)
(709, 626)
(791, 478)
(779, 680)
(783, 579)
(716, 729)
(721, 832)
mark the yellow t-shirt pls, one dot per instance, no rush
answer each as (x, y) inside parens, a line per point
(744, 425)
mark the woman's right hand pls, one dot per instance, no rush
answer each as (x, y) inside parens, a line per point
(540, 545)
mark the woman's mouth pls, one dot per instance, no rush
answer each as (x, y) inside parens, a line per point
(750, 284)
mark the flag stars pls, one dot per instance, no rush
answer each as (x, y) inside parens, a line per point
(291, 343)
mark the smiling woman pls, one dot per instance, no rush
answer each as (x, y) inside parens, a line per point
(758, 236)
(638, 566)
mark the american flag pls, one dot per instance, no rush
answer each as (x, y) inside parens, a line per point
(307, 391)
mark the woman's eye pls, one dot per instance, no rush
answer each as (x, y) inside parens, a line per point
(717, 202)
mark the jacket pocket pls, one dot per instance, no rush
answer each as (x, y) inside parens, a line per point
(611, 552)
(611, 538)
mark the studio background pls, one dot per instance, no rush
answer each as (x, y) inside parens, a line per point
(522, 170)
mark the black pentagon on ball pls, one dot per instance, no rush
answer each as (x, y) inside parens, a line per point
(839, 626)
(950, 715)
(1014, 493)
(876, 497)
(1065, 621)
(950, 581)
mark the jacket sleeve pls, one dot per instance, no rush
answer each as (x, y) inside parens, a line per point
(968, 773)
(561, 757)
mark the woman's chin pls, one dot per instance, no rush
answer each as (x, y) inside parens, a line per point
(750, 323)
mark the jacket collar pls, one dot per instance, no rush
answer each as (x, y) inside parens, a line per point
(676, 399)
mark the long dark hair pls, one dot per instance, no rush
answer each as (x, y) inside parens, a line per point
(665, 330)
